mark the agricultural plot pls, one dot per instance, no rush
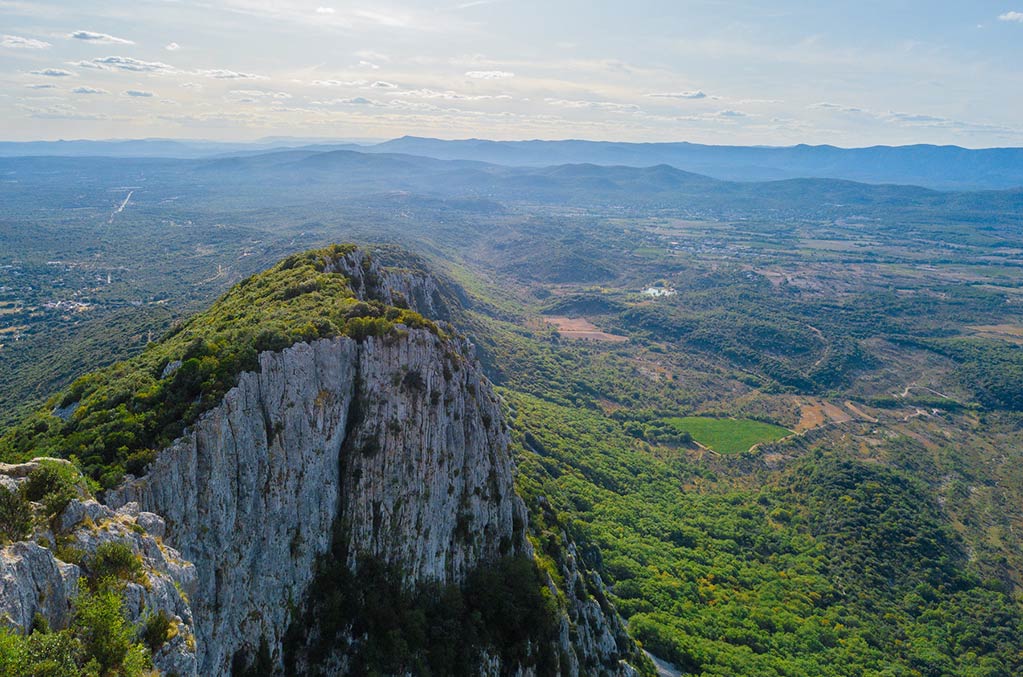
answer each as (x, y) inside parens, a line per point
(728, 435)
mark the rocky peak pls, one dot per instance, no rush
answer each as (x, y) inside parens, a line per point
(392, 444)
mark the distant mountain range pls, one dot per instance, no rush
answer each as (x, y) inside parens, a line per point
(306, 175)
(938, 167)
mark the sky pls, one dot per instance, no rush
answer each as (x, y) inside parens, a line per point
(724, 72)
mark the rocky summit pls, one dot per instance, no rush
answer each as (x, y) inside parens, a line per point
(358, 459)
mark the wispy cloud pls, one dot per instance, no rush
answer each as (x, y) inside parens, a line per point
(449, 95)
(260, 94)
(381, 84)
(138, 93)
(326, 10)
(489, 75)
(595, 105)
(126, 63)
(88, 90)
(172, 47)
(60, 111)
(224, 74)
(475, 3)
(99, 38)
(826, 105)
(41, 85)
(1012, 16)
(339, 83)
(695, 94)
(18, 42)
(54, 73)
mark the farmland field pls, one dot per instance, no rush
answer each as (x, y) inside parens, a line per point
(728, 435)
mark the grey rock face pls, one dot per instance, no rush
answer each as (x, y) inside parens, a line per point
(250, 494)
(398, 439)
(33, 580)
(395, 444)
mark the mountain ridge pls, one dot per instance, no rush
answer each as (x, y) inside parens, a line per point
(945, 167)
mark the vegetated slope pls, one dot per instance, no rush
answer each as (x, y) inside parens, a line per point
(833, 567)
(114, 420)
(325, 453)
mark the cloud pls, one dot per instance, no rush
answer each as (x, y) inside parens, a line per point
(368, 64)
(138, 93)
(380, 84)
(60, 111)
(489, 75)
(88, 90)
(1012, 16)
(449, 95)
(99, 38)
(224, 74)
(54, 73)
(260, 94)
(325, 10)
(696, 94)
(825, 105)
(594, 105)
(126, 63)
(18, 42)
(172, 47)
(339, 83)
(730, 114)
(355, 101)
(41, 85)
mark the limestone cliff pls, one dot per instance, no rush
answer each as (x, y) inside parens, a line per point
(394, 445)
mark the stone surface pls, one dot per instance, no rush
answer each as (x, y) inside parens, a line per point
(33, 580)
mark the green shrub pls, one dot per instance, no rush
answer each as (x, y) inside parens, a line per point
(54, 484)
(156, 630)
(15, 516)
(106, 635)
(114, 560)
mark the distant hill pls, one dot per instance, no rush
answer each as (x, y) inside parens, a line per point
(944, 167)
(306, 175)
(937, 167)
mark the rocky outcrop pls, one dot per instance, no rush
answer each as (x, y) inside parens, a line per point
(398, 441)
(35, 583)
(394, 445)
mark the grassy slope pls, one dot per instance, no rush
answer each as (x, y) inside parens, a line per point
(729, 435)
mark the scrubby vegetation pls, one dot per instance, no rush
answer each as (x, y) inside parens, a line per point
(833, 568)
(100, 641)
(53, 484)
(118, 417)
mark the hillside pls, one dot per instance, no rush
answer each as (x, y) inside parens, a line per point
(937, 167)
(311, 445)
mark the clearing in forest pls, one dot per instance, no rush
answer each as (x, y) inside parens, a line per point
(579, 328)
(728, 435)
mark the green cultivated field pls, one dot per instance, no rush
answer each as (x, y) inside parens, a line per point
(728, 435)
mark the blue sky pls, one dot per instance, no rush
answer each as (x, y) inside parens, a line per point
(738, 72)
